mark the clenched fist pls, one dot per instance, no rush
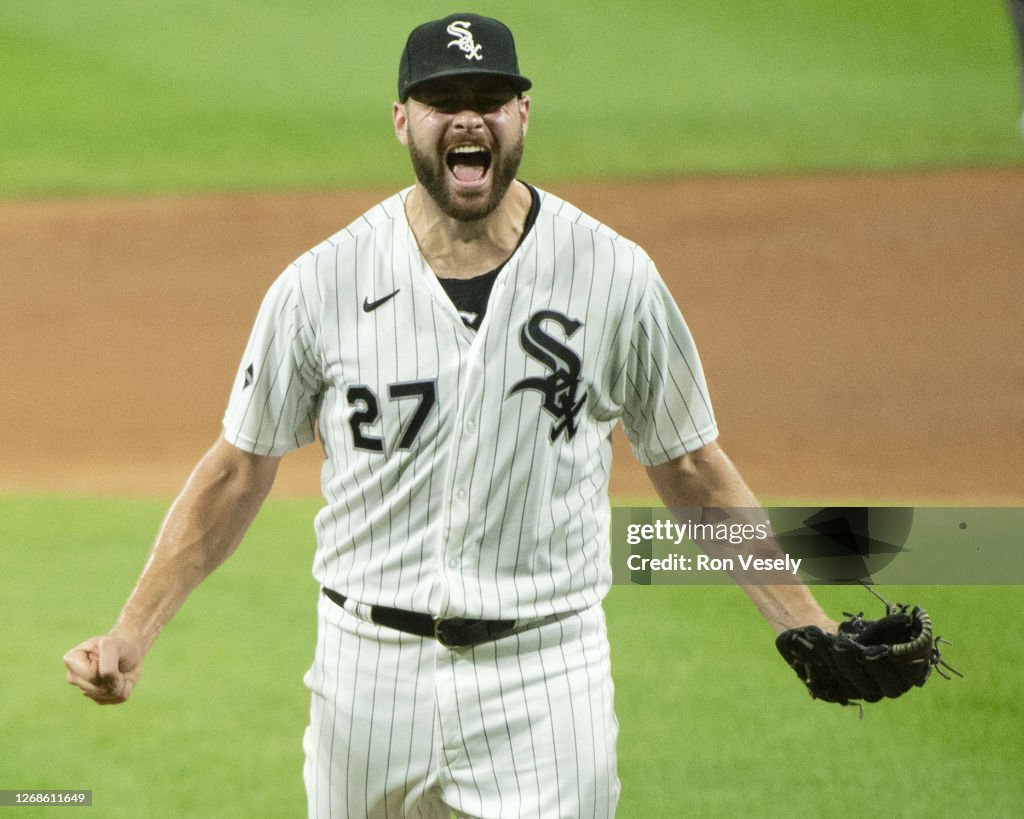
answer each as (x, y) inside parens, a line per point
(105, 668)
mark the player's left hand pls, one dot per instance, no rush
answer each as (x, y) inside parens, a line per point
(864, 659)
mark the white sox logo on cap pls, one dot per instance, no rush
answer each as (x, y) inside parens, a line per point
(464, 41)
(454, 47)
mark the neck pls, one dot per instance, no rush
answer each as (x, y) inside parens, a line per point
(462, 250)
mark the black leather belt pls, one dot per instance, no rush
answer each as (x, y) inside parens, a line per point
(451, 632)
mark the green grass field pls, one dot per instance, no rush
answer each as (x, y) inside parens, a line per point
(112, 97)
(712, 722)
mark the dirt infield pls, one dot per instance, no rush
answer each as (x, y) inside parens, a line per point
(862, 335)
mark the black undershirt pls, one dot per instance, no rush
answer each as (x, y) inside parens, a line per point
(470, 296)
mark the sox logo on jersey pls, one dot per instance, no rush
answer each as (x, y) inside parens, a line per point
(561, 386)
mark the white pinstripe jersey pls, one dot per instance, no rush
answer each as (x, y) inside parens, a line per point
(466, 474)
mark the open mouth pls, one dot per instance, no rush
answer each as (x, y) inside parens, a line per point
(468, 163)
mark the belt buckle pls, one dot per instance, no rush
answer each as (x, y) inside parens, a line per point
(458, 632)
(445, 632)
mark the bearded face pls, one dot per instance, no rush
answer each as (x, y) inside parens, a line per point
(465, 140)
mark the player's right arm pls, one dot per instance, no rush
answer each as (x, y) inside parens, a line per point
(202, 529)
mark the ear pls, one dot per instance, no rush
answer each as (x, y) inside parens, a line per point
(524, 113)
(400, 116)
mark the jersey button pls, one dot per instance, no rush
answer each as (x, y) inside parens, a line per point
(454, 563)
(461, 495)
(470, 426)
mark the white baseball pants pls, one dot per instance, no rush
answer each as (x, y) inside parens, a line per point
(401, 726)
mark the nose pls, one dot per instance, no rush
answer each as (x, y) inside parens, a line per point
(467, 120)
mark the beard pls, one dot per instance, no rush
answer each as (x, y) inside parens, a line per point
(432, 172)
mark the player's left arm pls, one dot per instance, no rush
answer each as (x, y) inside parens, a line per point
(707, 478)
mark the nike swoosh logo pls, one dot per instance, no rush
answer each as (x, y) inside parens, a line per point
(370, 306)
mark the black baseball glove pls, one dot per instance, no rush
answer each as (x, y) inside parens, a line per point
(867, 659)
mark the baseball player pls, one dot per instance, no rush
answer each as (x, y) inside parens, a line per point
(463, 350)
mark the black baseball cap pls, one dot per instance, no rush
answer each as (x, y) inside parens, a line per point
(458, 45)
